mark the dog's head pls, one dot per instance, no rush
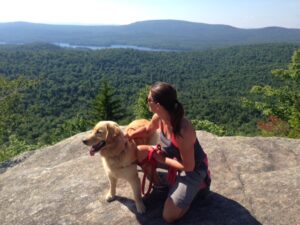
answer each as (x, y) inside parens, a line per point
(103, 134)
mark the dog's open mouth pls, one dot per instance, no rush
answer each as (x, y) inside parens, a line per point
(96, 148)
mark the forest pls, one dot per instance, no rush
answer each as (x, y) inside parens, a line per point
(60, 86)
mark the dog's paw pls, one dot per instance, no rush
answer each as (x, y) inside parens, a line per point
(140, 207)
(109, 197)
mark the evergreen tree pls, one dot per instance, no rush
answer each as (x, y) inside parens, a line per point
(107, 105)
(141, 109)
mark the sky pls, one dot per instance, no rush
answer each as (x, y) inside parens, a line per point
(237, 13)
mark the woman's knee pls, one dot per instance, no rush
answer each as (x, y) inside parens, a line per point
(171, 212)
(171, 217)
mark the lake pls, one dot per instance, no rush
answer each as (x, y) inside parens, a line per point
(67, 45)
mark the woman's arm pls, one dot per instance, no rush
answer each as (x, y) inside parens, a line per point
(159, 157)
(186, 147)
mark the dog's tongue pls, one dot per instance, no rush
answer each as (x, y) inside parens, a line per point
(92, 151)
(96, 148)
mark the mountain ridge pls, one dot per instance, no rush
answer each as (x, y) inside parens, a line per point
(166, 34)
(146, 22)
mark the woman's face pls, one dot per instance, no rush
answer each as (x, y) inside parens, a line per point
(150, 102)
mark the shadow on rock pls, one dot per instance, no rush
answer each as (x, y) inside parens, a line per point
(214, 209)
(4, 166)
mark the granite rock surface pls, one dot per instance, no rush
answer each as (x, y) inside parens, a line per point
(255, 180)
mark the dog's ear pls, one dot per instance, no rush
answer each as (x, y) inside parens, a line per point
(112, 131)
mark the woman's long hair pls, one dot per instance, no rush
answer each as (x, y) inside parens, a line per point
(165, 94)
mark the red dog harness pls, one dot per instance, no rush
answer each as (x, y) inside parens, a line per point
(172, 172)
(153, 164)
(171, 177)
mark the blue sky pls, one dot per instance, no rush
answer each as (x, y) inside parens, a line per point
(238, 13)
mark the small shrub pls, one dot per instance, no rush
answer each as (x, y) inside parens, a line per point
(274, 127)
(14, 147)
(208, 126)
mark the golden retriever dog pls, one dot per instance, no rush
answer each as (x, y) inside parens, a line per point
(119, 156)
(136, 124)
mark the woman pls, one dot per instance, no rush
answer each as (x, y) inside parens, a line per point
(181, 149)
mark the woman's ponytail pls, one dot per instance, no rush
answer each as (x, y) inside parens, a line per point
(166, 95)
(176, 117)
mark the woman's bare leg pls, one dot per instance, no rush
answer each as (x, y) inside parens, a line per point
(171, 212)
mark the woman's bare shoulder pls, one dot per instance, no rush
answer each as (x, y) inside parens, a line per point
(187, 126)
(154, 123)
(187, 130)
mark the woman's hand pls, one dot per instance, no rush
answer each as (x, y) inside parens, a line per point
(126, 135)
(159, 156)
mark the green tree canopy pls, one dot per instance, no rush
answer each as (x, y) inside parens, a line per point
(283, 101)
(11, 115)
(11, 111)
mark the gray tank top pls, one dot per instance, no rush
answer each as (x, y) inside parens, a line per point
(170, 149)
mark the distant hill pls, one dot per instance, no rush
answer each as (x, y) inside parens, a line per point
(166, 34)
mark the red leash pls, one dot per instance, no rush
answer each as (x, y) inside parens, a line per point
(153, 164)
(172, 172)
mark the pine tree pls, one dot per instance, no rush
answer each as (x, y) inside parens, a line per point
(107, 105)
(141, 109)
